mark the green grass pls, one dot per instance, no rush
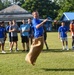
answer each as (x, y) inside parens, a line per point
(50, 62)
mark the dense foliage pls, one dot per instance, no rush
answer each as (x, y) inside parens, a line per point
(46, 8)
(65, 6)
(1, 5)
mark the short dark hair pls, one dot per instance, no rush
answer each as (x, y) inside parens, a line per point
(72, 21)
(2, 22)
(63, 22)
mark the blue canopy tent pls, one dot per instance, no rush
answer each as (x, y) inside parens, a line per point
(67, 17)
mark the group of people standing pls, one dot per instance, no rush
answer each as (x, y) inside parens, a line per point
(13, 29)
(33, 29)
(26, 31)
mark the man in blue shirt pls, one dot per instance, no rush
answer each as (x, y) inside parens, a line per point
(2, 36)
(62, 34)
(24, 30)
(37, 44)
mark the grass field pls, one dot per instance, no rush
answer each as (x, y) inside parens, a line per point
(50, 62)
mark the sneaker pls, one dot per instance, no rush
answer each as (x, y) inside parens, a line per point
(11, 51)
(17, 49)
(63, 48)
(3, 52)
(67, 48)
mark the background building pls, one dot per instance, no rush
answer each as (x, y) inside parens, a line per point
(14, 12)
(67, 17)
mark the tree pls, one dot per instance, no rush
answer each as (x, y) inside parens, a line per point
(65, 6)
(1, 5)
(21, 1)
(6, 3)
(44, 7)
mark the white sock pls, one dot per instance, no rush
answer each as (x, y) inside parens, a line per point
(63, 47)
(66, 47)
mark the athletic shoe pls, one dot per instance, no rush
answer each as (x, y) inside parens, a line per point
(17, 49)
(11, 51)
(63, 48)
(67, 48)
(3, 52)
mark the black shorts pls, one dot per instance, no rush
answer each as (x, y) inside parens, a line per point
(14, 39)
(25, 39)
(9, 38)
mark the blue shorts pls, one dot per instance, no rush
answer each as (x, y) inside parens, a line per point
(63, 38)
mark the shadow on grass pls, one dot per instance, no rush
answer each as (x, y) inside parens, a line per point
(56, 50)
(44, 50)
(13, 52)
(60, 69)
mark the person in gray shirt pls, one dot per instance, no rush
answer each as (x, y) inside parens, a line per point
(14, 29)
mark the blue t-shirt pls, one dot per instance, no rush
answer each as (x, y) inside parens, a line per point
(37, 31)
(62, 30)
(2, 31)
(7, 30)
(25, 27)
